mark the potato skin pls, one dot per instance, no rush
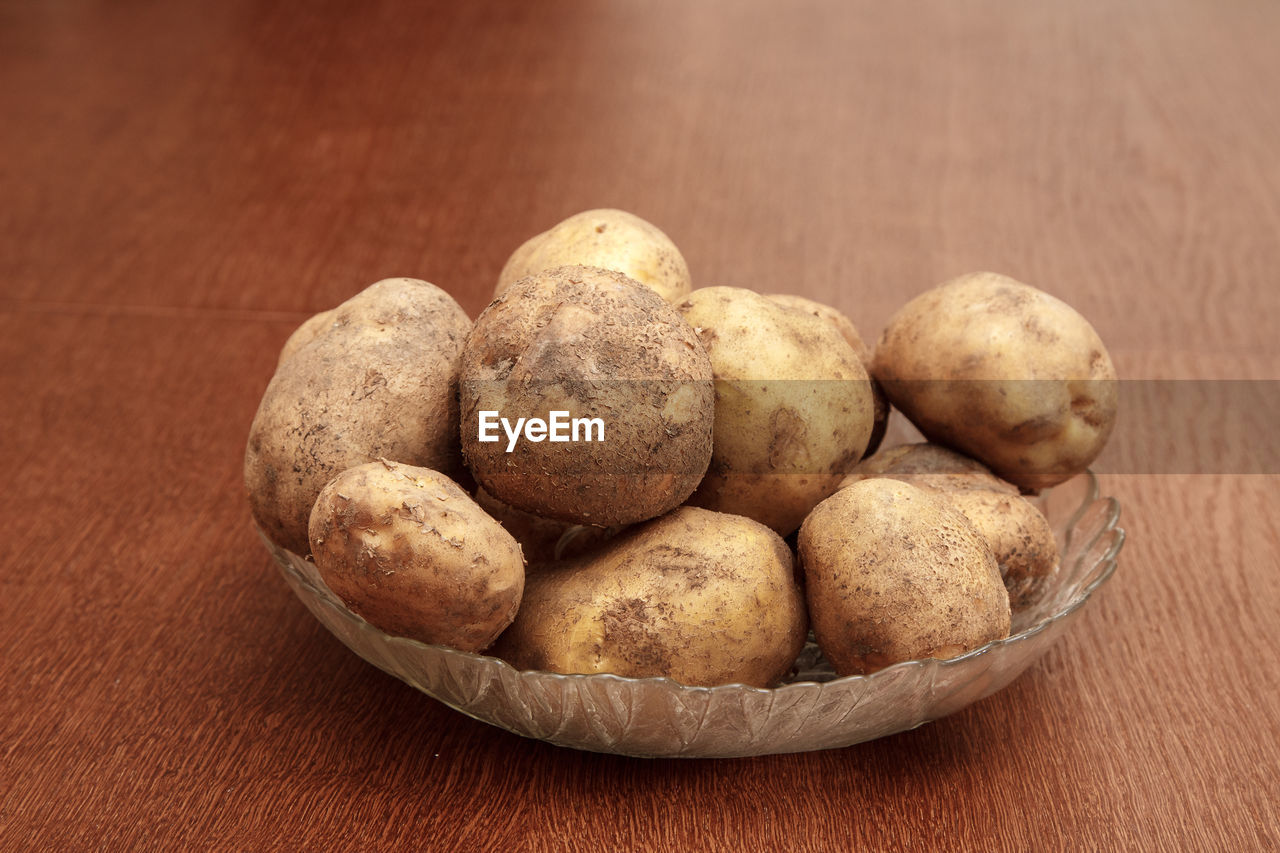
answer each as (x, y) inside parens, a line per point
(537, 536)
(1004, 373)
(312, 328)
(894, 573)
(1017, 533)
(606, 238)
(379, 381)
(540, 538)
(697, 596)
(794, 407)
(594, 343)
(407, 549)
(925, 458)
(849, 332)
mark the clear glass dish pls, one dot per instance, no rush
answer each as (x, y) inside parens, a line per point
(813, 709)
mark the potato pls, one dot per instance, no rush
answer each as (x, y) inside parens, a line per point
(849, 332)
(611, 239)
(598, 347)
(843, 324)
(1004, 373)
(543, 540)
(537, 535)
(794, 407)
(1017, 533)
(407, 549)
(697, 596)
(925, 458)
(894, 573)
(312, 328)
(379, 381)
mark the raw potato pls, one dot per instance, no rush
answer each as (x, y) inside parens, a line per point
(1004, 373)
(541, 538)
(894, 573)
(697, 596)
(379, 381)
(537, 536)
(595, 344)
(794, 407)
(925, 458)
(611, 239)
(849, 332)
(312, 328)
(1017, 533)
(407, 549)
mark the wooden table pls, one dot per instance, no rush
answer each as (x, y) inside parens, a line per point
(182, 183)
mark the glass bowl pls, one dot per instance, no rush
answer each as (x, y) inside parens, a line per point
(813, 709)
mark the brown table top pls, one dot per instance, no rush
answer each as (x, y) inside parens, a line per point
(183, 183)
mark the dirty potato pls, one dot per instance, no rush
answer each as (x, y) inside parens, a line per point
(701, 597)
(794, 408)
(894, 573)
(379, 380)
(537, 536)
(312, 328)
(849, 332)
(407, 549)
(1004, 373)
(611, 239)
(1017, 533)
(543, 540)
(614, 359)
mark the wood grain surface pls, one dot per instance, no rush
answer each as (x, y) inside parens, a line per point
(182, 183)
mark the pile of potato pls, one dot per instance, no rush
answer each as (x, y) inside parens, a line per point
(715, 425)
